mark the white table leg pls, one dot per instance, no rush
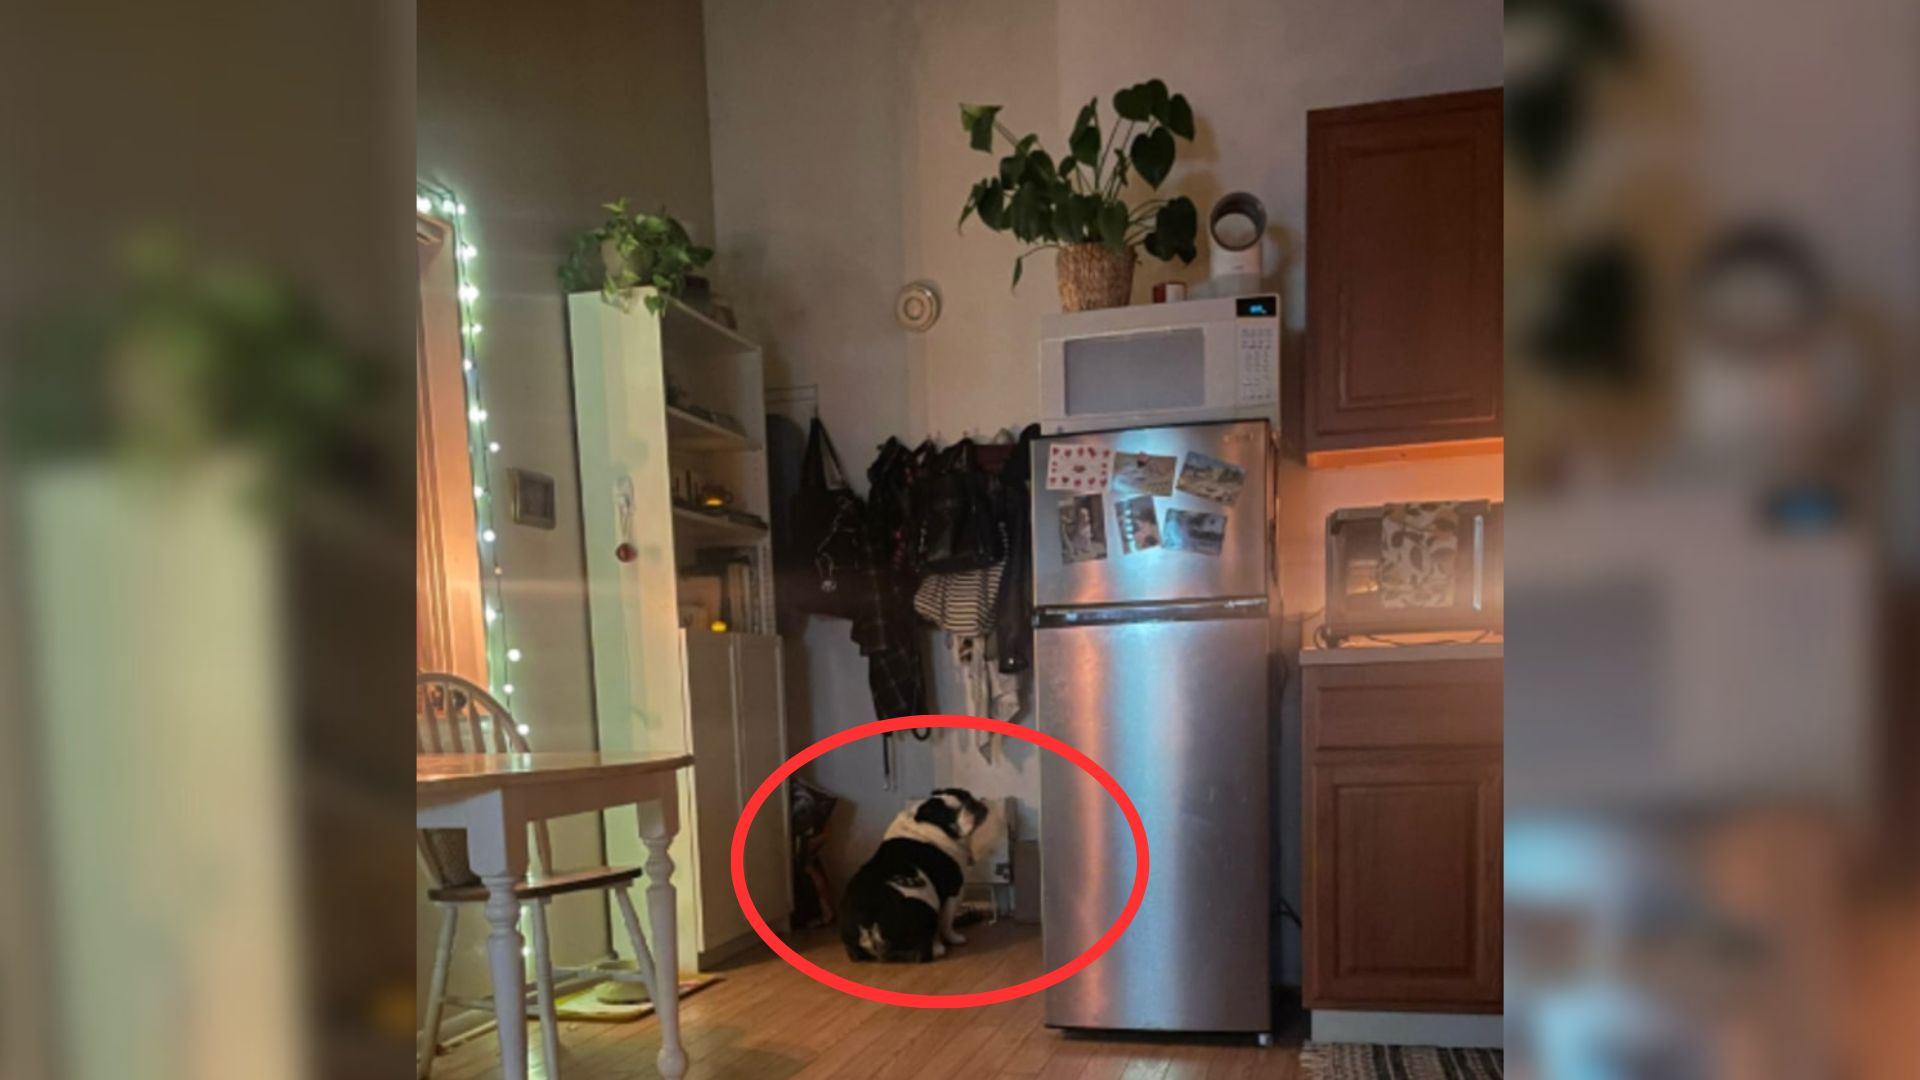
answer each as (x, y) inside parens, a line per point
(659, 820)
(497, 851)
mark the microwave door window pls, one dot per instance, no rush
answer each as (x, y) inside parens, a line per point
(1135, 373)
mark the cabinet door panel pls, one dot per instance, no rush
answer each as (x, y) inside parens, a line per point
(761, 735)
(1403, 903)
(1403, 281)
(1377, 706)
(715, 781)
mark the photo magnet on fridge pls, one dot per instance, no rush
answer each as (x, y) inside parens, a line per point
(1138, 529)
(1083, 529)
(1143, 474)
(1194, 530)
(1072, 467)
(1211, 478)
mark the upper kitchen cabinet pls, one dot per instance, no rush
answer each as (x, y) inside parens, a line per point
(1403, 277)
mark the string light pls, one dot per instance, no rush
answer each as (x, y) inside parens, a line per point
(429, 198)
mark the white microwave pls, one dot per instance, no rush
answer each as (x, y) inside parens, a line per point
(1157, 364)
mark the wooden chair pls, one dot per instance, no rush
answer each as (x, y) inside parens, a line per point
(453, 716)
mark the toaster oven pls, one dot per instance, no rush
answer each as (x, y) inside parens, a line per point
(1414, 567)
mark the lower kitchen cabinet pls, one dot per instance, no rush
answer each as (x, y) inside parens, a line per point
(1403, 836)
(736, 730)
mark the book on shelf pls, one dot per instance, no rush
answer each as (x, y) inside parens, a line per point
(729, 582)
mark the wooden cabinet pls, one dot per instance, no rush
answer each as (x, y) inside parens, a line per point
(1403, 273)
(1403, 836)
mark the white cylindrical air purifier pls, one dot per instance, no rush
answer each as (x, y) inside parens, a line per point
(1236, 226)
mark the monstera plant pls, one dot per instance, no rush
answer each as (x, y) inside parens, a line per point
(1077, 203)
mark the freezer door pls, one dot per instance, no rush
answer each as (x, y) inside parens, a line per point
(1080, 554)
(1177, 712)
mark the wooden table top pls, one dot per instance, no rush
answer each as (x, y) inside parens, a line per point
(448, 773)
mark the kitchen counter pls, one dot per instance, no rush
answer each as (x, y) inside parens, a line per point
(1412, 650)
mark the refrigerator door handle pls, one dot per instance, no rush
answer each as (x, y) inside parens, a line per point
(1273, 507)
(1244, 607)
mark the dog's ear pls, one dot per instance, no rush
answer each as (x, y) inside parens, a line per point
(977, 808)
(938, 812)
(989, 828)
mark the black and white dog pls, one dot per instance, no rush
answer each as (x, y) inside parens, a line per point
(902, 903)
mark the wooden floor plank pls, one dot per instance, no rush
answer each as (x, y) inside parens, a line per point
(766, 1021)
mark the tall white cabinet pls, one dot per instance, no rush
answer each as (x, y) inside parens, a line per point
(652, 398)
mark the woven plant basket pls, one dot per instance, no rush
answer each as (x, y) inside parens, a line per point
(1094, 276)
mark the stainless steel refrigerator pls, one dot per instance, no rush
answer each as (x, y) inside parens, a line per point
(1151, 655)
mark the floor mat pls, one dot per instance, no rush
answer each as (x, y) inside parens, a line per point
(586, 1004)
(1365, 1061)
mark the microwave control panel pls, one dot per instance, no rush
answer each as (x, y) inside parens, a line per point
(1259, 346)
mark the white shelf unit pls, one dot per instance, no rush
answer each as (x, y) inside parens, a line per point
(658, 685)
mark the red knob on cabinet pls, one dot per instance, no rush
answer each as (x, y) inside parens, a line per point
(625, 552)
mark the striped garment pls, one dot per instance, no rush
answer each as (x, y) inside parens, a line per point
(1360, 1061)
(961, 603)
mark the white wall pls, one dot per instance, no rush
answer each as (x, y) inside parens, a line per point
(807, 120)
(839, 171)
(535, 120)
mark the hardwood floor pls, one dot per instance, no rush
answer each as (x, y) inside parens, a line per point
(766, 1021)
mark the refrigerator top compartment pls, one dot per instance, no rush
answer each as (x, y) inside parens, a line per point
(1177, 513)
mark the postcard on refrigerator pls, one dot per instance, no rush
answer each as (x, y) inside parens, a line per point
(1211, 478)
(1083, 529)
(1138, 529)
(1078, 467)
(1143, 474)
(1194, 530)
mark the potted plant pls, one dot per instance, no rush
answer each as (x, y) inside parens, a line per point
(1077, 204)
(633, 249)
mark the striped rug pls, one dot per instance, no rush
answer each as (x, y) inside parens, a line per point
(1361, 1061)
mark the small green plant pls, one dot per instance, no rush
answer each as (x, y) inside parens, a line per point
(177, 356)
(630, 250)
(1077, 200)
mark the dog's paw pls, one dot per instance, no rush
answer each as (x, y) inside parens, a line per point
(939, 949)
(954, 937)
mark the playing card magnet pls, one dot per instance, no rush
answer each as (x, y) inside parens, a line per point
(1077, 467)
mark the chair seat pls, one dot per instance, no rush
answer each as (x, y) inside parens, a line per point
(594, 877)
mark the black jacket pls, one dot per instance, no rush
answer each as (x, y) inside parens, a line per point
(1013, 614)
